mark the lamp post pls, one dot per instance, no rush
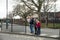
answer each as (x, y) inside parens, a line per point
(6, 14)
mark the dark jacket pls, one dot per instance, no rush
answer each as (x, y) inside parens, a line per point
(32, 21)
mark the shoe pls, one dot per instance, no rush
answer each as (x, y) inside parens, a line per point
(31, 32)
(35, 33)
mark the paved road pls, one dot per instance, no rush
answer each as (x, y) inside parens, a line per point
(18, 28)
(21, 37)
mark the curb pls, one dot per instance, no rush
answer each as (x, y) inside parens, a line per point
(45, 36)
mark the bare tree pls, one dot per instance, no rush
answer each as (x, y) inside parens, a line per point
(48, 7)
(22, 11)
(36, 5)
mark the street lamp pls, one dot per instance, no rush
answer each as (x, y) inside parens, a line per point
(7, 8)
(6, 14)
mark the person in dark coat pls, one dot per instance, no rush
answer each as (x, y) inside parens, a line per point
(32, 25)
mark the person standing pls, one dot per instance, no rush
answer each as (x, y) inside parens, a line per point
(35, 26)
(32, 25)
(38, 26)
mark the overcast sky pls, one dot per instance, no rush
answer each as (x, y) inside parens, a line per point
(10, 7)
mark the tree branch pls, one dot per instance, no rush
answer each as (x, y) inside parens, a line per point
(50, 7)
(28, 6)
(40, 4)
(34, 3)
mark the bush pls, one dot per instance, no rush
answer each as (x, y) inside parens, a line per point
(55, 27)
(50, 25)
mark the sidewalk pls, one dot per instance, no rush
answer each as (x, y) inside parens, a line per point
(17, 29)
(29, 34)
(4, 36)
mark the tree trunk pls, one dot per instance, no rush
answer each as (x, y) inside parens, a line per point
(25, 25)
(12, 25)
(39, 16)
(46, 20)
